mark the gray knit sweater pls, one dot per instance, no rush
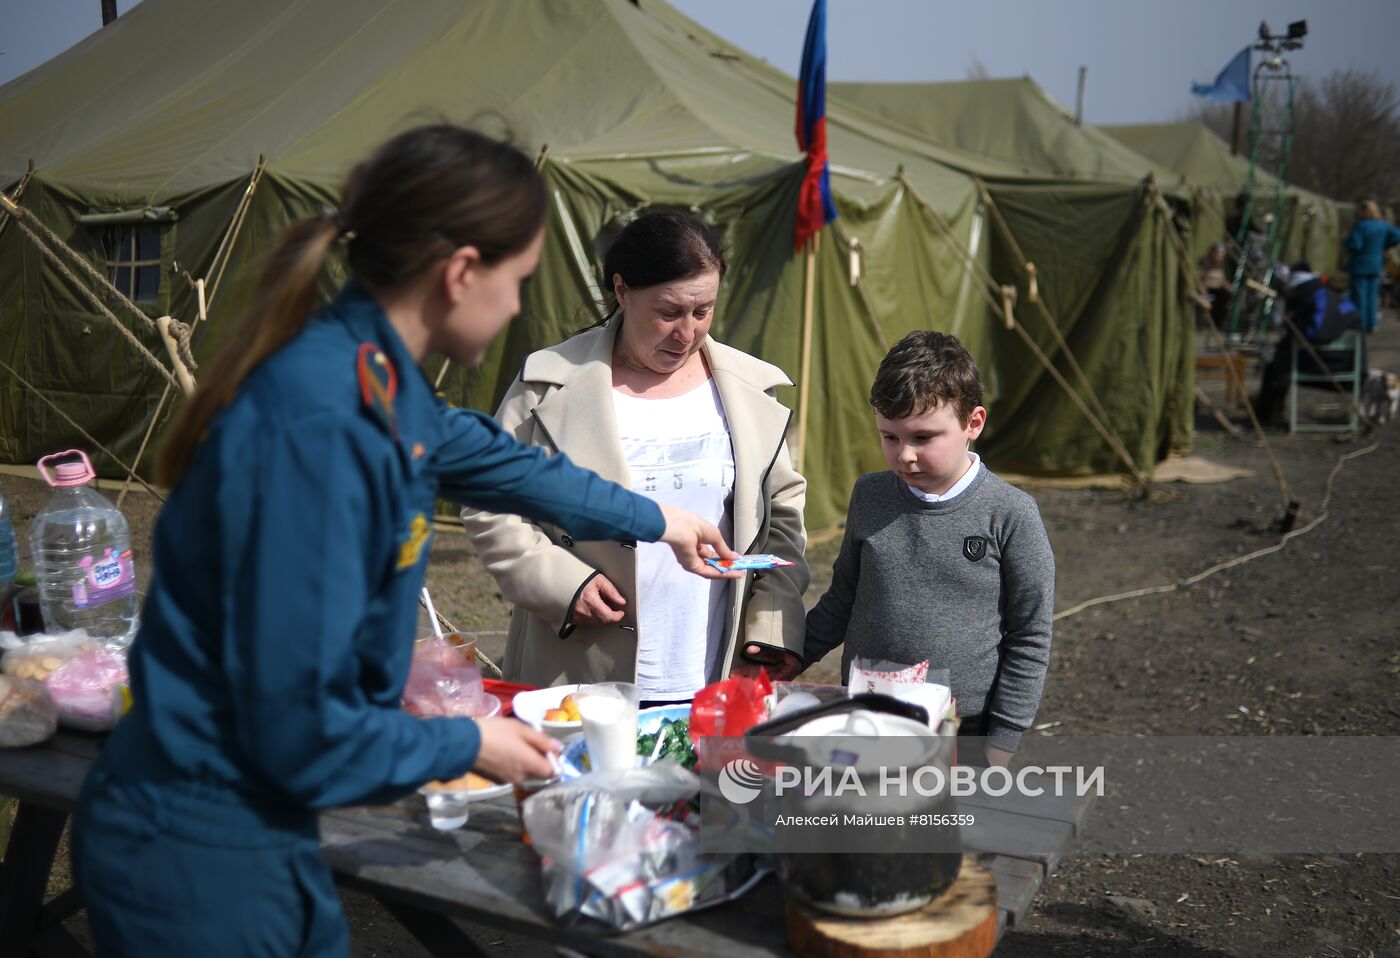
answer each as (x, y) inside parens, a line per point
(967, 583)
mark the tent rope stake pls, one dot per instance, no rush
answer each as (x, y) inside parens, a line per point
(203, 314)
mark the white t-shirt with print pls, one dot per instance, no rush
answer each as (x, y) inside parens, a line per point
(679, 453)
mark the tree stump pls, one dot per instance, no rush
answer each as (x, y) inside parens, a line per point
(960, 923)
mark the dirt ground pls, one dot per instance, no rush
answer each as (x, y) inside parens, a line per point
(1303, 642)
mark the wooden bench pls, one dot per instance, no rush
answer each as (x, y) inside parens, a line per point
(482, 872)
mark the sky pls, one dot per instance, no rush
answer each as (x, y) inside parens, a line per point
(1141, 55)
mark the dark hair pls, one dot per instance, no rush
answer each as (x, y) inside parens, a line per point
(659, 248)
(417, 198)
(925, 370)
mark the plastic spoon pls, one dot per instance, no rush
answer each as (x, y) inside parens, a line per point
(432, 612)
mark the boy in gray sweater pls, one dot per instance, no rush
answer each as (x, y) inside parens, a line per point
(942, 560)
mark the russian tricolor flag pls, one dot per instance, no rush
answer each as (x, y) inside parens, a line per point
(814, 206)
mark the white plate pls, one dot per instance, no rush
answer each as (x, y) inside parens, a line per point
(531, 706)
(648, 721)
(478, 794)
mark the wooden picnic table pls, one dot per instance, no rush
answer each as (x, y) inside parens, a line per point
(481, 873)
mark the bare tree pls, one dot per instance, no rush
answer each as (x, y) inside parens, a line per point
(977, 70)
(1346, 134)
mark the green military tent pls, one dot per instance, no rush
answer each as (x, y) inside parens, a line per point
(173, 145)
(1013, 121)
(1312, 224)
(1093, 216)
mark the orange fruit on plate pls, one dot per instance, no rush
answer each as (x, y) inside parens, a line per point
(469, 782)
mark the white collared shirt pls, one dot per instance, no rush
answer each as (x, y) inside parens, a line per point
(959, 487)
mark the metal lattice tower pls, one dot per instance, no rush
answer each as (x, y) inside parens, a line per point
(1265, 185)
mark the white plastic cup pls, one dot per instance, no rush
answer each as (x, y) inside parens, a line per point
(609, 713)
(447, 808)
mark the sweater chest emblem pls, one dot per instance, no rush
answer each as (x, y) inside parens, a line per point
(974, 547)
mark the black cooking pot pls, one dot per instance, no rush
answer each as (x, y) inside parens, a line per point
(900, 849)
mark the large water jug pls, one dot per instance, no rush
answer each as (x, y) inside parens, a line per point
(81, 547)
(9, 553)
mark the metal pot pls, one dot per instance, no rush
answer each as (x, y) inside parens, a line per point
(896, 864)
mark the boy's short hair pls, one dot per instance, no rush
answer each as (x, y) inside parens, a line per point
(925, 370)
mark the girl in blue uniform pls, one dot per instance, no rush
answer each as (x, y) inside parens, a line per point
(278, 628)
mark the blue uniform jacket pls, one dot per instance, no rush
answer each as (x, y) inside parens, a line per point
(1367, 243)
(278, 629)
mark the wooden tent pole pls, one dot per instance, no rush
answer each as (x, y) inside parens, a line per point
(804, 387)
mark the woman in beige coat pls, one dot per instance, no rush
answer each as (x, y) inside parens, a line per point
(650, 401)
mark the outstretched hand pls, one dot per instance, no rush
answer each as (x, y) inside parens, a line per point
(688, 535)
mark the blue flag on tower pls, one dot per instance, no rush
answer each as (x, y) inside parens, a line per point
(1231, 85)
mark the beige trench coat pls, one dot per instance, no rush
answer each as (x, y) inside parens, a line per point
(563, 401)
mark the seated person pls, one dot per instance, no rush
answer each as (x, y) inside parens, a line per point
(1217, 285)
(1320, 314)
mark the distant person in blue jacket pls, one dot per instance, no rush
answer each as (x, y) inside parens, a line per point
(276, 637)
(1367, 242)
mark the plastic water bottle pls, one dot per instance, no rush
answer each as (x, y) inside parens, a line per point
(9, 551)
(81, 547)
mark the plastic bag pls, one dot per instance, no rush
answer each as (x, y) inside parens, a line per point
(443, 684)
(85, 688)
(27, 712)
(606, 855)
(38, 657)
(789, 697)
(930, 689)
(722, 712)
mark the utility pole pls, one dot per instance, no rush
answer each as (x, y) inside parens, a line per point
(109, 11)
(1237, 135)
(1079, 99)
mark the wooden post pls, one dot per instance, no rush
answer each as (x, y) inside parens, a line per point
(804, 386)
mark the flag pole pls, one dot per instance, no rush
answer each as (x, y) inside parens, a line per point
(804, 382)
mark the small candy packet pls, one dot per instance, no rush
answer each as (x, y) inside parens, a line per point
(745, 563)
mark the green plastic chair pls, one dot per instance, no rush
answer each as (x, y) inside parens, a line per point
(1352, 342)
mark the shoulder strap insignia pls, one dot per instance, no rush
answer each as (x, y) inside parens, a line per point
(378, 385)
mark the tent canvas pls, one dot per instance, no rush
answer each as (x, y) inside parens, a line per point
(1081, 207)
(187, 103)
(1312, 226)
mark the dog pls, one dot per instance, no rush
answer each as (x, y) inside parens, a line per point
(1380, 396)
